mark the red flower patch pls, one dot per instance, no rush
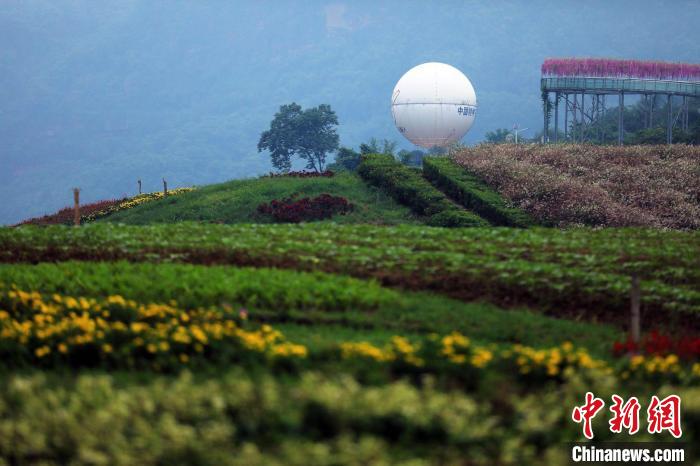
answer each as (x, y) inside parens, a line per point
(303, 174)
(292, 210)
(655, 343)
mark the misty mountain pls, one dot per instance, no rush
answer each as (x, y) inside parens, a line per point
(100, 94)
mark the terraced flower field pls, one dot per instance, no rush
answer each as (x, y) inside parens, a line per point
(326, 343)
(581, 273)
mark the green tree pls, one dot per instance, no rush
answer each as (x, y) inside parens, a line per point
(346, 159)
(497, 136)
(374, 146)
(309, 134)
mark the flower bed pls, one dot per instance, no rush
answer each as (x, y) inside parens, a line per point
(115, 332)
(615, 68)
(306, 209)
(570, 185)
(302, 174)
(56, 330)
(583, 273)
(99, 209)
(658, 344)
(66, 215)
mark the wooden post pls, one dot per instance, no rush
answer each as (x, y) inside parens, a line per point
(165, 188)
(139, 186)
(76, 207)
(634, 309)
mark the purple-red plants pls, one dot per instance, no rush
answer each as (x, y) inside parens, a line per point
(302, 174)
(306, 209)
(614, 68)
(65, 215)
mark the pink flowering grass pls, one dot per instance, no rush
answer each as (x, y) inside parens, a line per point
(608, 67)
(568, 185)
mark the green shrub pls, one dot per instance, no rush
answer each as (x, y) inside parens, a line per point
(408, 187)
(472, 193)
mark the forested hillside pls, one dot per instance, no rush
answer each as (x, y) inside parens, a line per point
(99, 94)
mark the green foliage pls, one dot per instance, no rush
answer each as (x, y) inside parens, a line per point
(409, 188)
(236, 202)
(499, 135)
(309, 133)
(338, 308)
(582, 273)
(413, 157)
(239, 418)
(472, 193)
(193, 286)
(374, 146)
(345, 159)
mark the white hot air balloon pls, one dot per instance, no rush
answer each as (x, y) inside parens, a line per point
(433, 104)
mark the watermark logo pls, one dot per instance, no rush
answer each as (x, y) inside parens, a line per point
(662, 415)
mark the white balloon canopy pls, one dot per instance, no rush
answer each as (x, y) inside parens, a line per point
(433, 104)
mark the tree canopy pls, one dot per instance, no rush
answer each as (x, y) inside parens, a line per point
(310, 134)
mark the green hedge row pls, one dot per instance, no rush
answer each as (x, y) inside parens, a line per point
(469, 191)
(408, 187)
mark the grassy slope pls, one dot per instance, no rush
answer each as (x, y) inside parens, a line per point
(236, 202)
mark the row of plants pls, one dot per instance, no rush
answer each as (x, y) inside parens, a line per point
(100, 209)
(66, 216)
(408, 187)
(568, 185)
(302, 174)
(192, 285)
(306, 209)
(581, 272)
(667, 256)
(658, 344)
(336, 306)
(133, 202)
(114, 332)
(472, 193)
(241, 418)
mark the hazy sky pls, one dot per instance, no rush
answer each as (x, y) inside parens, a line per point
(100, 94)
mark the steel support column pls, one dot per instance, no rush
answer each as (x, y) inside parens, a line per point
(546, 120)
(621, 120)
(574, 118)
(669, 121)
(556, 117)
(583, 116)
(566, 117)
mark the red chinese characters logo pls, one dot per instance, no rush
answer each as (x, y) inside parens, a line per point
(665, 415)
(587, 412)
(662, 415)
(625, 415)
